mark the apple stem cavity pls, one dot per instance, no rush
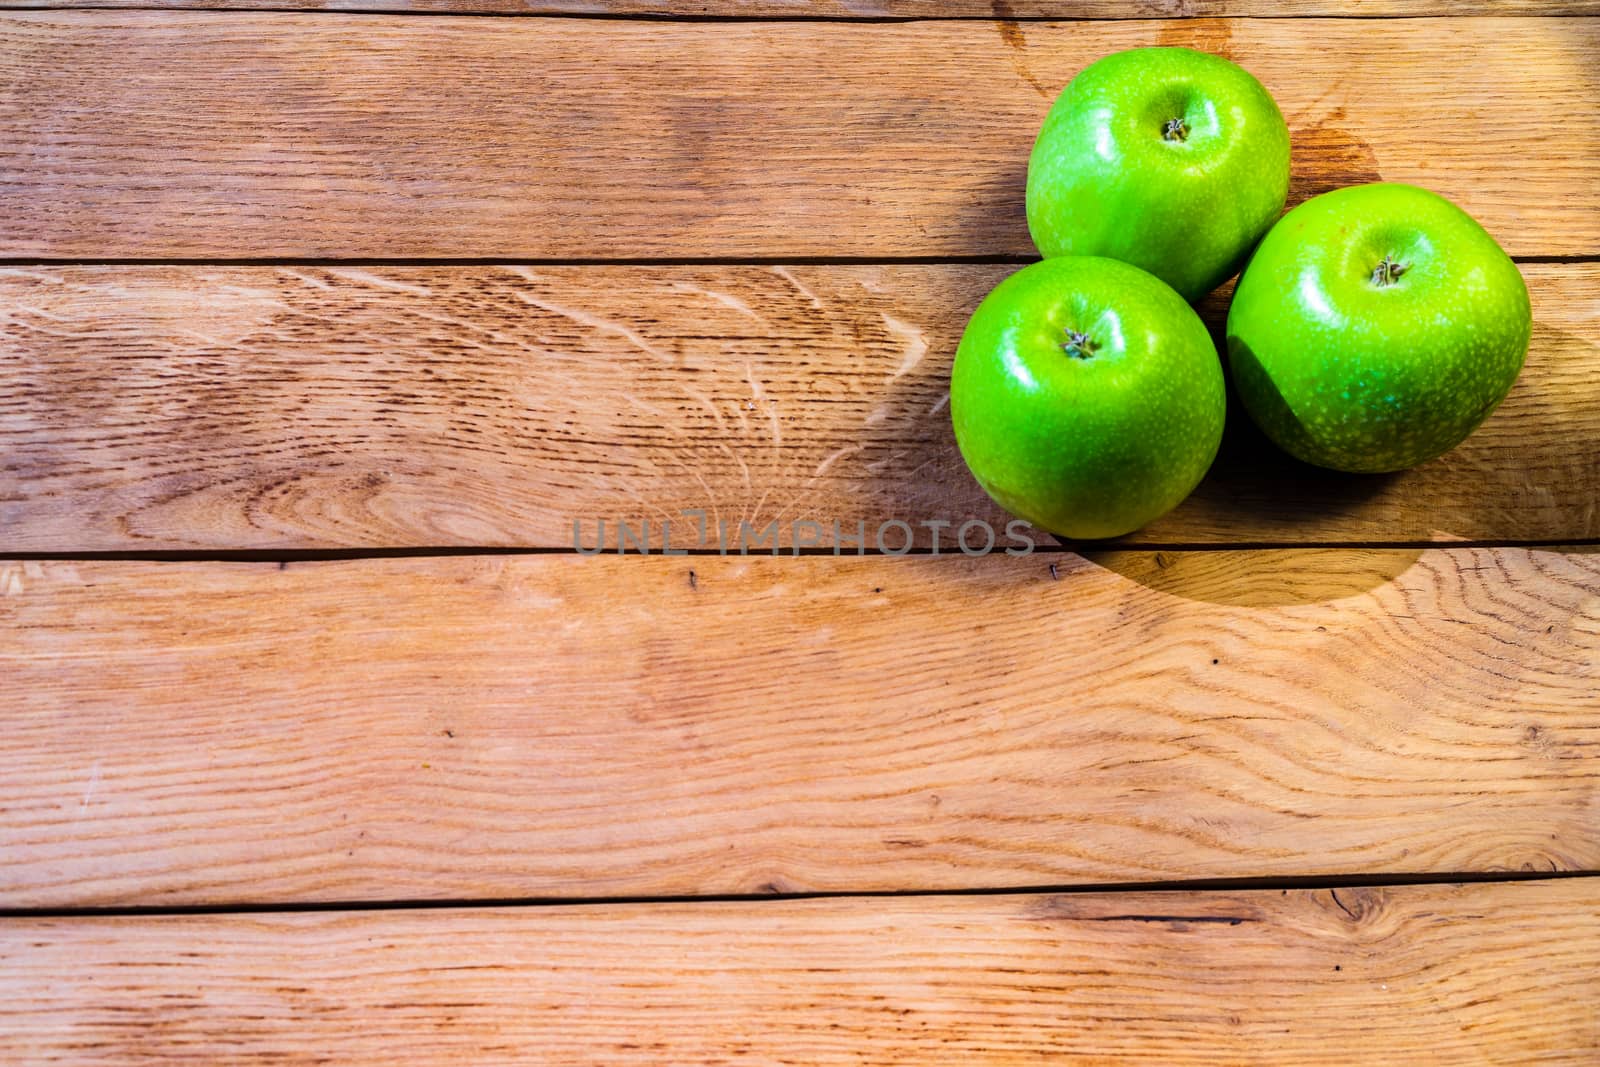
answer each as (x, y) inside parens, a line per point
(1388, 272)
(1079, 345)
(1175, 130)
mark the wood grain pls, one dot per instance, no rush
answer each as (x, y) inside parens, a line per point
(208, 407)
(1493, 973)
(1003, 10)
(554, 725)
(285, 135)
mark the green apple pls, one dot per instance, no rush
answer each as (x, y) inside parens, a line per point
(1375, 327)
(1087, 396)
(1173, 160)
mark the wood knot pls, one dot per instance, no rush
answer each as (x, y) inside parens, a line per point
(1359, 905)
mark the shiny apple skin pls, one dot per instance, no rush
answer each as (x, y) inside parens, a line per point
(1348, 371)
(1104, 179)
(1087, 446)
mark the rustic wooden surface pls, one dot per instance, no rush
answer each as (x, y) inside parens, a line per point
(306, 407)
(278, 284)
(557, 726)
(1437, 975)
(1000, 10)
(283, 135)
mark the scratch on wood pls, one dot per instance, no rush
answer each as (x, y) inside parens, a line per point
(833, 457)
(89, 790)
(799, 287)
(594, 322)
(914, 341)
(725, 299)
(362, 277)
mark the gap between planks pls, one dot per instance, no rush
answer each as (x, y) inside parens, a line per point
(313, 555)
(23, 262)
(1174, 888)
(1015, 12)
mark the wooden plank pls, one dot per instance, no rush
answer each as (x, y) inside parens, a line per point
(1467, 974)
(469, 727)
(285, 135)
(259, 407)
(1002, 10)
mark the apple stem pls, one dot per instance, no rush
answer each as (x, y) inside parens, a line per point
(1079, 345)
(1388, 272)
(1175, 130)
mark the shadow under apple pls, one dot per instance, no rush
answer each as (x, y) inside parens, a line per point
(1255, 492)
(1259, 578)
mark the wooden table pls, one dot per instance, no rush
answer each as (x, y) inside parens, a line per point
(318, 330)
